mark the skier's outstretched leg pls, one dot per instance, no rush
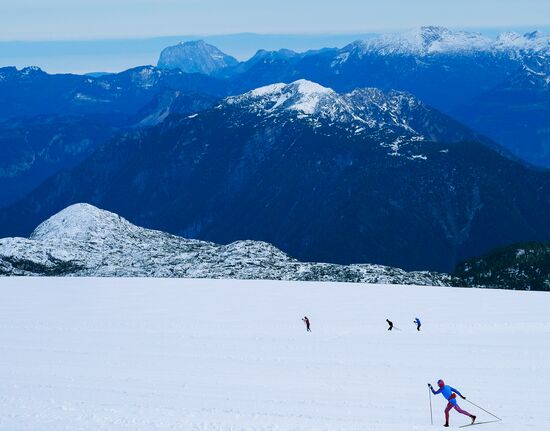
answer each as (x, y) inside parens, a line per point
(464, 412)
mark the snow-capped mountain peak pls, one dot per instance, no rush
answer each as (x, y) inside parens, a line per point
(366, 108)
(534, 41)
(302, 96)
(428, 40)
(425, 40)
(301, 86)
(395, 119)
(81, 222)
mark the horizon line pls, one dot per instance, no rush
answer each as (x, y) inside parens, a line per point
(534, 27)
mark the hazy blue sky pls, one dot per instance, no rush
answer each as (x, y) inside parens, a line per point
(92, 19)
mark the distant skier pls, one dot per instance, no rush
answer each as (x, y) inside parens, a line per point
(450, 394)
(306, 321)
(417, 323)
(390, 323)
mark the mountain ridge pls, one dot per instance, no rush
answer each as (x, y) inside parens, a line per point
(427, 40)
(82, 240)
(412, 189)
(450, 70)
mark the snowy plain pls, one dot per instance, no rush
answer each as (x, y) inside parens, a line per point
(183, 354)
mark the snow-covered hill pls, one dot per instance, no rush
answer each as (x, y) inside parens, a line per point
(368, 106)
(85, 241)
(200, 355)
(195, 57)
(397, 116)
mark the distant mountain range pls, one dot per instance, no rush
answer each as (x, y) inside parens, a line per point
(327, 177)
(451, 71)
(114, 55)
(83, 240)
(413, 150)
(482, 82)
(30, 92)
(53, 122)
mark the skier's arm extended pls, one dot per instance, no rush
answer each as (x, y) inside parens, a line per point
(432, 388)
(457, 392)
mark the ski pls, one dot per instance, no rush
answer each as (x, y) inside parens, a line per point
(479, 423)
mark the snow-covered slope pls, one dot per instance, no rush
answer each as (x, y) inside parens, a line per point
(363, 111)
(86, 241)
(433, 40)
(302, 96)
(195, 57)
(202, 355)
(426, 47)
(532, 42)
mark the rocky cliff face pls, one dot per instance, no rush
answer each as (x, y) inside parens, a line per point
(195, 57)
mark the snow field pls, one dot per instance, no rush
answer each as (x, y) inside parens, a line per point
(176, 354)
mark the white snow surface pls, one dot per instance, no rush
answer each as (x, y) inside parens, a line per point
(170, 354)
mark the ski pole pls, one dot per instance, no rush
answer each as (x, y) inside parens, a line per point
(481, 408)
(430, 397)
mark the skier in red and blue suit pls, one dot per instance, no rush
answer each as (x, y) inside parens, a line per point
(450, 394)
